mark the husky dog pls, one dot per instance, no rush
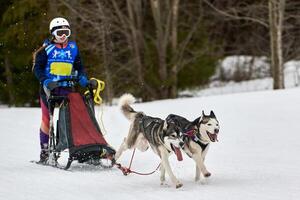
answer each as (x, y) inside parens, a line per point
(144, 131)
(197, 136)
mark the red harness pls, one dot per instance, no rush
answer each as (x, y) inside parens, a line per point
(190, 133)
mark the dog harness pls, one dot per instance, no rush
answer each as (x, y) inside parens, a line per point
(150, 126)
(192, 134)
(188, 130)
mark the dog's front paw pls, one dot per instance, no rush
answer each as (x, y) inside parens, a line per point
(197, 178)
(179, 185)
(207, 174)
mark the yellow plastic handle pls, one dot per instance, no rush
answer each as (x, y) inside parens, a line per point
(100, 87)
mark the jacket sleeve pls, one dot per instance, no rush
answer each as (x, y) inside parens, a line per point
(78, 65)
(40, 65)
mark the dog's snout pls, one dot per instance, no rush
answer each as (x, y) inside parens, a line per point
(216, 130)
(181, 144)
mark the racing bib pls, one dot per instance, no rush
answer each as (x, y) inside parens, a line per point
(61, 68)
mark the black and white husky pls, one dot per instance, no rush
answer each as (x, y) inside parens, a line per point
(144, 131)
(197, 135)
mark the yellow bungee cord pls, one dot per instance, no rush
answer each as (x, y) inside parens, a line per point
(97, 98)
(96, 92)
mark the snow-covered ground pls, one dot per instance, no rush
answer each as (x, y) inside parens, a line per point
(292, 79)
(257, 156)
(260, 76)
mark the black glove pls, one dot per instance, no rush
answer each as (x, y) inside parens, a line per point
(93, 84)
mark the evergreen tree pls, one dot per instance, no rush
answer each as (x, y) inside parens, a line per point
(23, 28)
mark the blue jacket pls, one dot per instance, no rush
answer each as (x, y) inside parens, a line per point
(58, 63)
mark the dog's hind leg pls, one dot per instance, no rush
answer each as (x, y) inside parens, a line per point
(197, 177)
(122, 148)
(141, 143)
(166, 165)
(128, 142)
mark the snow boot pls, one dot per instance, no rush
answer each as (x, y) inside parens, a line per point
(44, 156)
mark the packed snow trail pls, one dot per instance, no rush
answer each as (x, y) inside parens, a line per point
(256, 156)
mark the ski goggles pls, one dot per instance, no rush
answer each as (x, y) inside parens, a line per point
(62, 31)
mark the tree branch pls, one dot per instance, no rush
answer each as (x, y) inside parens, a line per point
(235, 16)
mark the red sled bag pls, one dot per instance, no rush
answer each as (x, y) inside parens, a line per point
(78, 131)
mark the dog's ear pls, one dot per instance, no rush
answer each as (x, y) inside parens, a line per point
(212, 114)
(203, 114)
(196, 121)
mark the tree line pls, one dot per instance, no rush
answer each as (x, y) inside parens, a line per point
(151, 48)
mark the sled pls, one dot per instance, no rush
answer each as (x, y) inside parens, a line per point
(77, 131)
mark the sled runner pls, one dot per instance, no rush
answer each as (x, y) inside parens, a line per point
(76, 130)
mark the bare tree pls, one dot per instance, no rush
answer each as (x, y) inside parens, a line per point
(166, 16)
(106, 52)
(92, 17)
(276, 17)
(174, 47)
(274, 23)
(143, 38)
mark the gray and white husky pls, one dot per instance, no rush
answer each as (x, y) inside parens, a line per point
(144, 131)
(197, 135)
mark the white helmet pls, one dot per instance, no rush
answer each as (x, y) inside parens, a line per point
(57, 23)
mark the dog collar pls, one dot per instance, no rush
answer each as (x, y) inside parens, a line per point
(192, 134)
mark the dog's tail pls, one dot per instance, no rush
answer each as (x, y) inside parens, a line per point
(124, 104)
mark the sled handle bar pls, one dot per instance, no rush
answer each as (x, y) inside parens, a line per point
(57, 98)
(73, 80)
